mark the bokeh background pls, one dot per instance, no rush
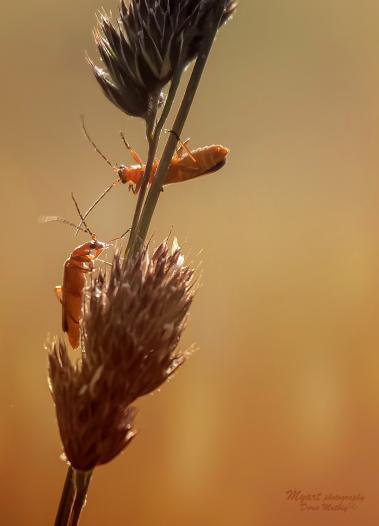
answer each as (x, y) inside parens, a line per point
(283, 390)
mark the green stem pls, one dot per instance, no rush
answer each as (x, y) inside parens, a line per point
(155, 190)
(153, 140)
(153, 145)
(67, 498)
(82, 480)
(170, 97)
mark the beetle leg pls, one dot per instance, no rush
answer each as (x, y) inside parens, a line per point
(183, 148)
(105, 262)
(98, 252)
(58, 292)
(135, 156)
(133, 188)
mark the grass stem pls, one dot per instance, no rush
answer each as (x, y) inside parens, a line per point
(82, 480)
(155, 190)
(153, 140)
(67, 499)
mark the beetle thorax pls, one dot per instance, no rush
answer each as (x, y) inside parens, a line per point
(131, 174)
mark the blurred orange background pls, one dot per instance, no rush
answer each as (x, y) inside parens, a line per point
(283, 391)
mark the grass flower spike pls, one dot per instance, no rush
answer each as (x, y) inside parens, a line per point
(152, 38)
(132, 325)
(94, 423)
(134, 319)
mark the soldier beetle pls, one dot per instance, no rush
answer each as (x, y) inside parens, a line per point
(70, 293)
(185, 165)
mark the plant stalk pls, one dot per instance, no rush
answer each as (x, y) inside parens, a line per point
(67, 498)
(153, 140)
(82, 480)
(153, 145)
(155, 190)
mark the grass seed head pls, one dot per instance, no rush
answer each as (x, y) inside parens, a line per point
(132, 323)
(141, 51)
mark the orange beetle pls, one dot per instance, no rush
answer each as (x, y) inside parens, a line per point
(184, 165)
(70, 293)
(80, 262)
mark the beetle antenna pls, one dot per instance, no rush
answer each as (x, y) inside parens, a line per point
(119, 237)
(80, 215)
(125, 141)
(93, 143)
(116, 181)
(126, 232)
(50, 219)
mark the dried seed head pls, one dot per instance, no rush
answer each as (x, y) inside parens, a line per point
(150, 40)
(134, 319)
(94, 423)
(131, 326)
